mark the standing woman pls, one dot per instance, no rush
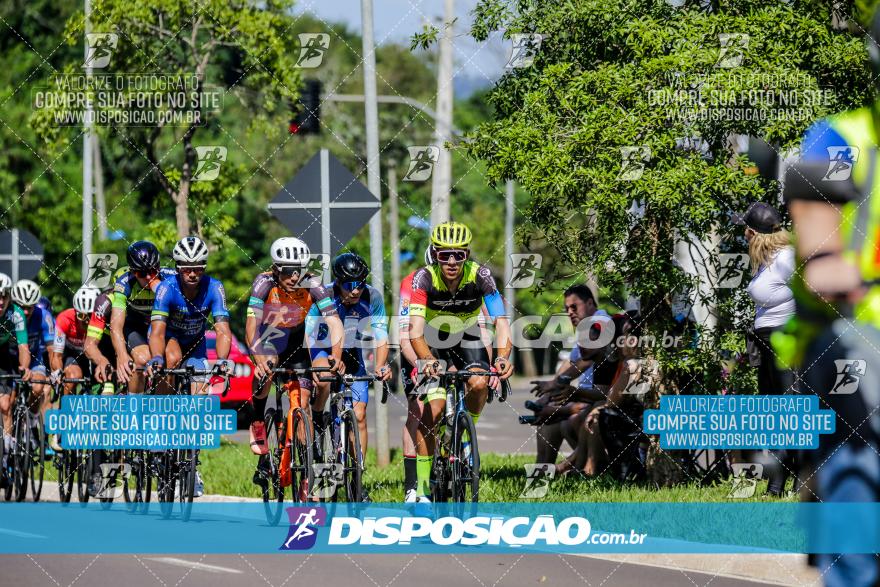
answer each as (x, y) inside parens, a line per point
(772, 262)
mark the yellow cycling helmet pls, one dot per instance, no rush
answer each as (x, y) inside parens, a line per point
(451, 234)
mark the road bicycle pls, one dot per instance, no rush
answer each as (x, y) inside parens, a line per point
(292, 435)
(175, 469)
(72, 465)
(340, 442)
(26, 459)
(455, 473)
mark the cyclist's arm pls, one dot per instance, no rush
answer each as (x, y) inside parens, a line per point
(406, 348)
(220, 314)
(418, 311)
(19, 323)
(158, 318)
(117, 323)
(495, 308)
(56, 351)
(95, 330)
(323, 299)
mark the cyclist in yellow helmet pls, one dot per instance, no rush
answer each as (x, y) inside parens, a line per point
(445, 305)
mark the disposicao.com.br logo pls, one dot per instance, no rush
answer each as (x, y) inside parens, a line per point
(481, 530)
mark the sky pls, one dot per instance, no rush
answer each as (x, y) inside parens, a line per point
(476, 65)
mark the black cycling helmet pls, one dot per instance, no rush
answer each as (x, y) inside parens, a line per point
(142, 256)
(350, 267)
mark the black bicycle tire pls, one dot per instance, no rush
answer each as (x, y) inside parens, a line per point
(273, 492)
(465, 474)
(21, 456)
(66, 475)
(166, 483)
(187, 462)
(352, 465)
(301, 456)
(81, 460)
(38, 460)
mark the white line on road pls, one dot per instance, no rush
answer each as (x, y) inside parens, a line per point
(19, 534)
(194, 565)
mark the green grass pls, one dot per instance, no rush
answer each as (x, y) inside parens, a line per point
(228, 471)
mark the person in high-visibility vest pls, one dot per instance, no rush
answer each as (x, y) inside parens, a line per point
(833, 194)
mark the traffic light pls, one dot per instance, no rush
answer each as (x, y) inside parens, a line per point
(307, 119)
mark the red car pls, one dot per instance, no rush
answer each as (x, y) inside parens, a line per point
(242, 375)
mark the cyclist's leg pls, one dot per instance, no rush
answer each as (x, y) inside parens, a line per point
(320, 358)
(434, 405)
(195, 353)
(40, 395)
(471, 353)
(136, 339)
(411, 427)
(7, 367)
(360, 397)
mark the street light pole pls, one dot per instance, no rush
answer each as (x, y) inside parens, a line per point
(88, 151)
(371, 111)
(441, 179)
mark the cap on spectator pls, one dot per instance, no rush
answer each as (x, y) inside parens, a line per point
(760, 217)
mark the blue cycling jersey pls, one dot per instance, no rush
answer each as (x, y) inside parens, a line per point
(187, 319)
(41, 335)
(368, 314)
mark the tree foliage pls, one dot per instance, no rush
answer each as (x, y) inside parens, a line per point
(615, 74)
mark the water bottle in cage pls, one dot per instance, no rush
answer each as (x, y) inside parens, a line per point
(449, 417)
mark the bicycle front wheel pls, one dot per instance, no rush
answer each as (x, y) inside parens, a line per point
(166, 482)
(21, 456)
(273, 492)
(465, 460)
(352, 459)
(65, 462)
(301, 457)
(81, 460)
(187, 461)
(37, 462)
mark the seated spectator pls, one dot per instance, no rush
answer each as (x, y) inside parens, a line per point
(618, 419)
(562, 399)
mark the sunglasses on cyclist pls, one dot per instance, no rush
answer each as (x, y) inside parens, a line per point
(191, 268)
(82, 316)
(145, 274)
(288, 270)
(353, 285)
(457, 255)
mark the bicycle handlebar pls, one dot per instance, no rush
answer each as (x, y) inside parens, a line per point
(347, 380)
(219, 370)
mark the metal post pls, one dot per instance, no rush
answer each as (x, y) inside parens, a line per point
(15, 255)
(87, 160)
(100, 203)
(441, 179)
(371, 110)
(394, 231)
(508, 247)
(325, 209)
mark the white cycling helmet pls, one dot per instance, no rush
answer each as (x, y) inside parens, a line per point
(25, 293)
(190, 250)
(5, 284)
(290, 250)
(84, 299)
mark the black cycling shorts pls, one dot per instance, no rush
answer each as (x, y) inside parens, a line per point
(71, 357)
(135, 334)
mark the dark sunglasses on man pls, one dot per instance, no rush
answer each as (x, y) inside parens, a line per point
(145, 274)
(447, 255)
(83, 316)
(353, 285)
(191, 268)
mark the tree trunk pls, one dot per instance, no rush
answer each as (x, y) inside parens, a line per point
(181, 212)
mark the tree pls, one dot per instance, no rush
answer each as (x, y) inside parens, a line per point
(166, 38)
(623, 127)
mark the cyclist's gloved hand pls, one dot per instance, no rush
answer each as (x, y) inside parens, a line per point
(224, 366)
(55, 377)
(384, 373)
(156, 362)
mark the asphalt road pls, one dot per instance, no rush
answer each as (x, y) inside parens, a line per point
(377, 570)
